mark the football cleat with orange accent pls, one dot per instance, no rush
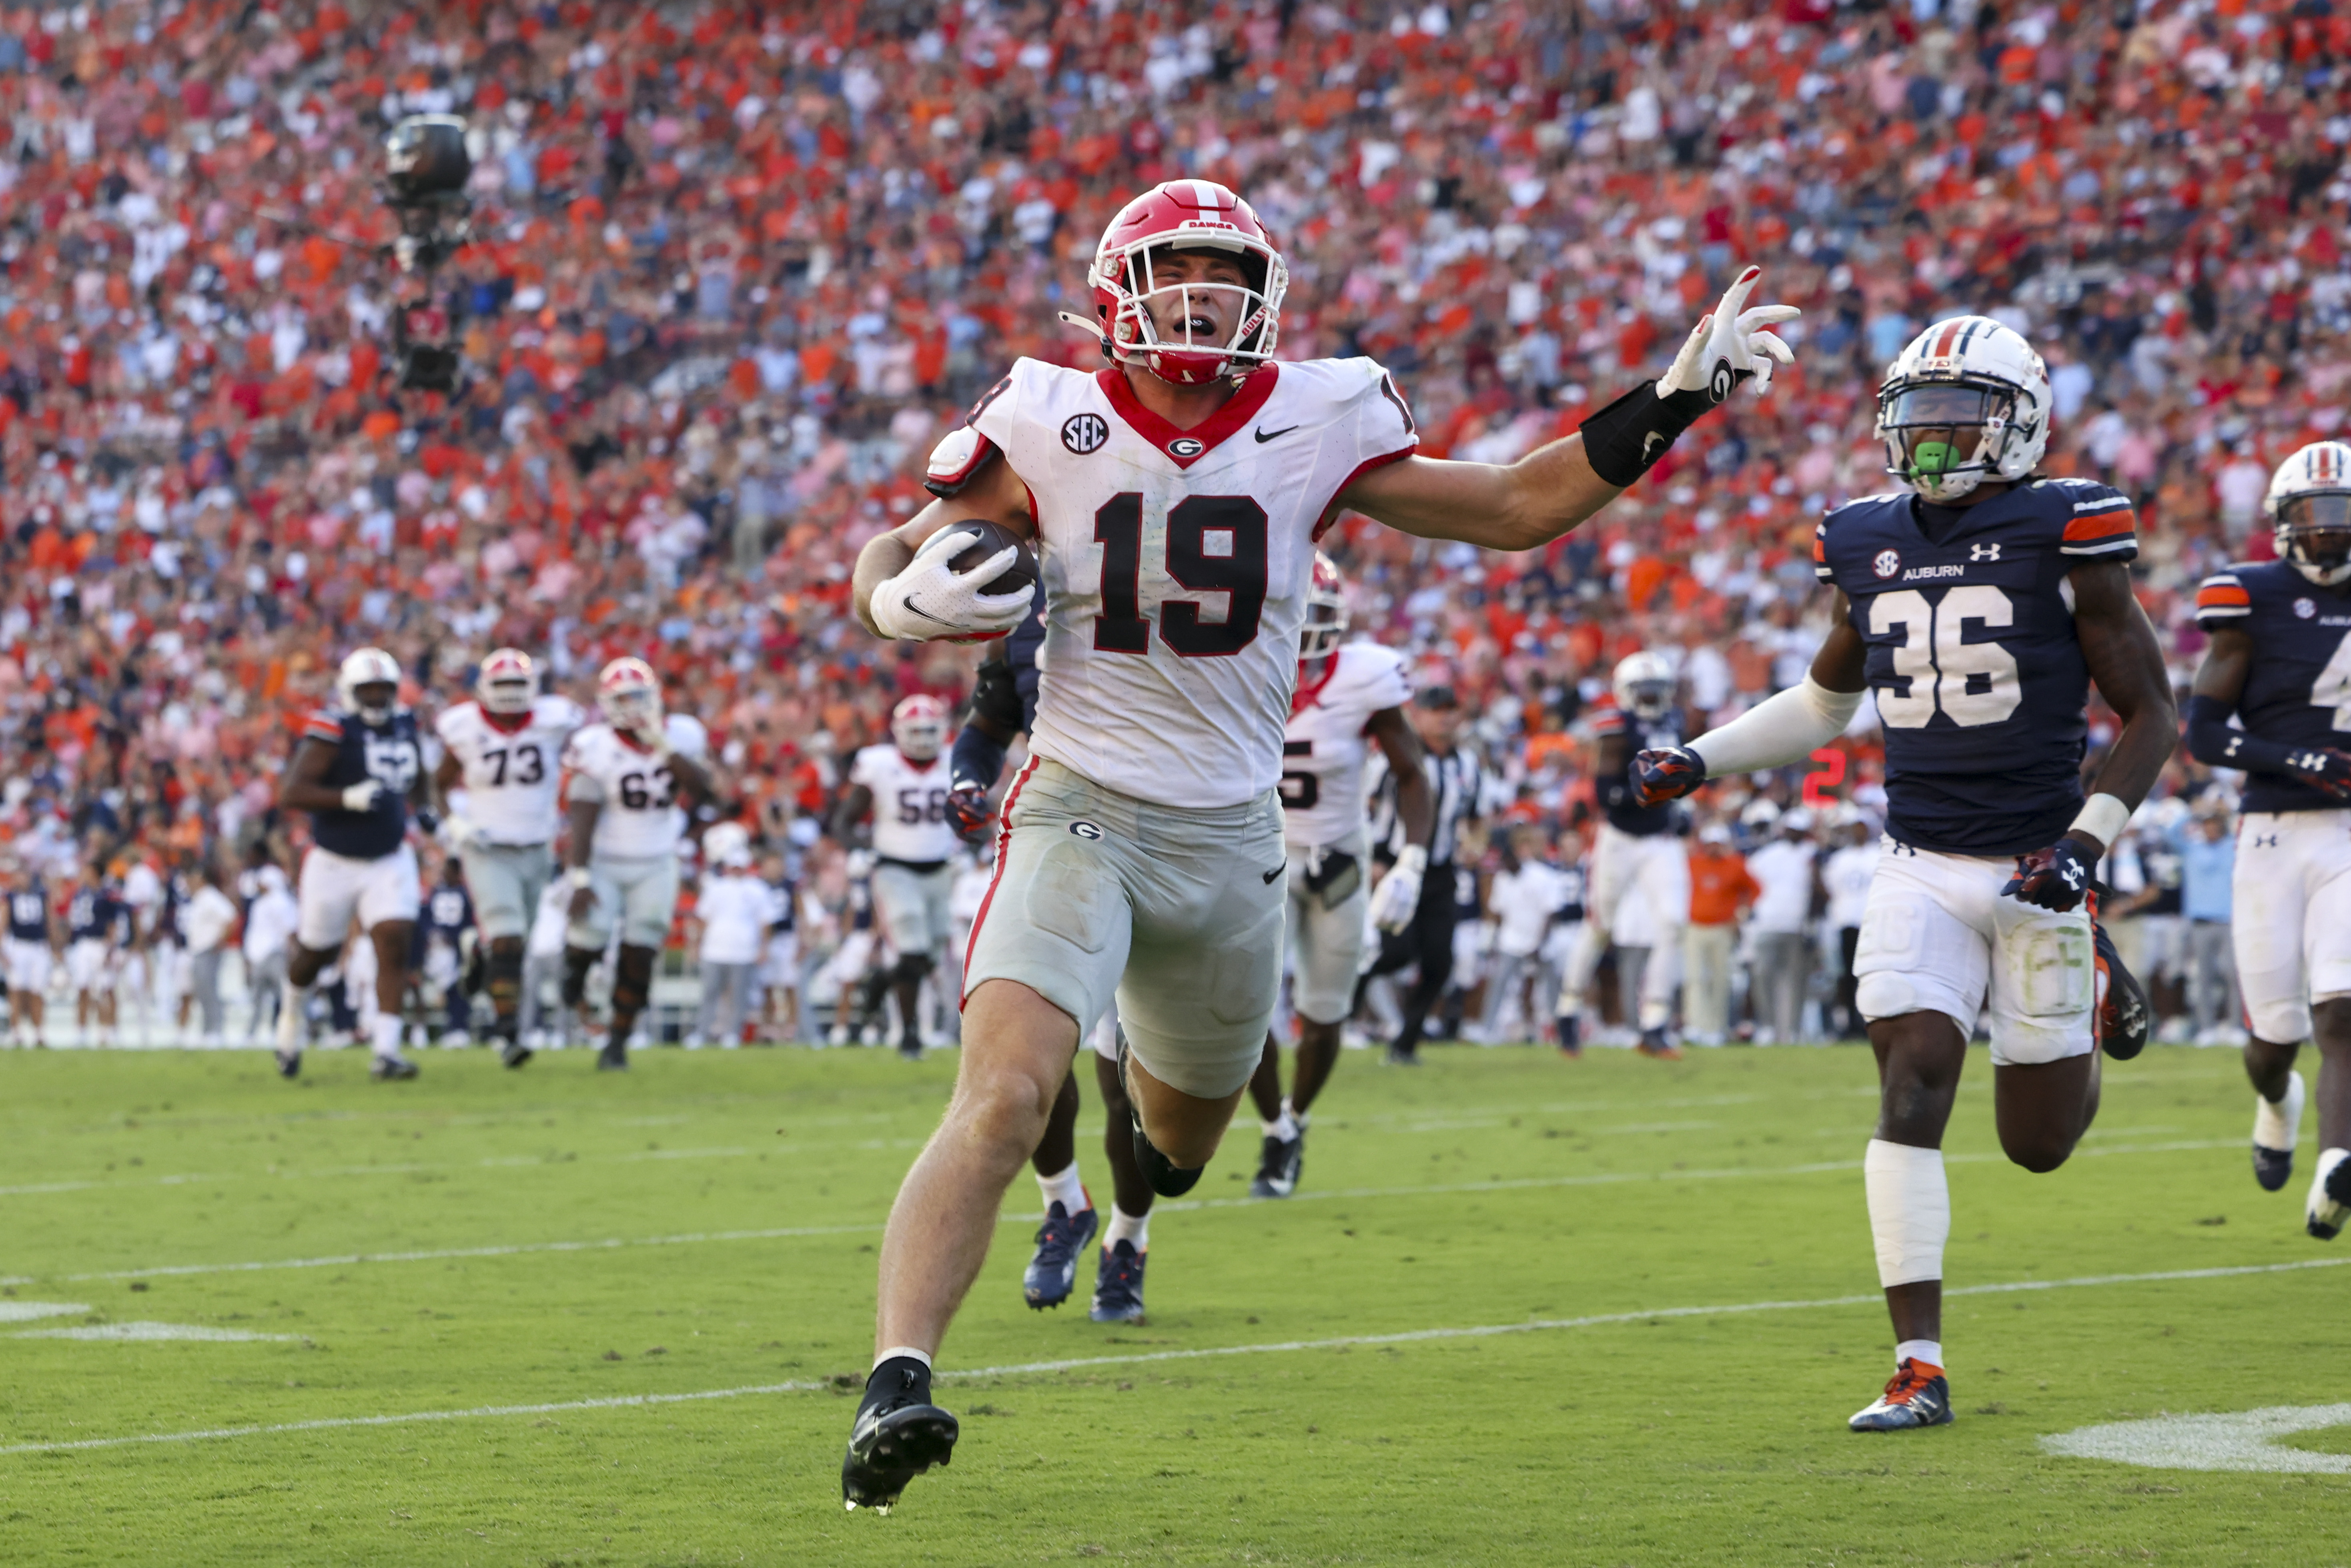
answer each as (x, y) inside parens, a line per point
(1919, 1396)
(2124, 1016)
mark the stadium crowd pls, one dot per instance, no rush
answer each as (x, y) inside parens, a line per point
(736, 269)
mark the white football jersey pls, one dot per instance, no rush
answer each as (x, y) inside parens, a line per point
(1176, 561)
(640, 819)
(513, 771)
(1323, 780)
(910, 804)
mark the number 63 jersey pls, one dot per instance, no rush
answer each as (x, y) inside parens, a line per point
(1978, 675)
(1175, 562)
(640, 818)
(512, 768)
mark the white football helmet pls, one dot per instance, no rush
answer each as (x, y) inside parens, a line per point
(2310, 504)
(1968, 401)
(728, 844)
(1326, 611)
(1644, 686)
(630, 694)
(919, 726)
(508, 681)
(367, 667)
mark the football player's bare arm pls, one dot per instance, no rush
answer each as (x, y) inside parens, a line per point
(447, 774)
(303, 787)
(695, 781)
(995, 493)
(580, 816)
(848, 811)
(2228, 660)
(2125, 660)
(1522, 507)
(1416, 802)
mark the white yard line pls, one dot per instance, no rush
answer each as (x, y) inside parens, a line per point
(1347, 1342)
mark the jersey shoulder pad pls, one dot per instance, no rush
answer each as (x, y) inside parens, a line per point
(1379, 673)
(2092, 519)
(455, 721)
(1605, 719)
(867, 764)
(323, 724)
(687, 734)
(588, 747)
(558, 711)
(957, 461)
(2221, 600)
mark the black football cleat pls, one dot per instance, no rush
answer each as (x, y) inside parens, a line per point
(1278, 1165)
(2330, 1196)
(1118, 1285)
(289, 1064)
(613, 1058)
(1568, 1030)
(1657, 1048)
(1167, 1178)
(391, 1069)
(513, 1052)
(898, 1435)
(2124, 1017)
(1053, 1273)
(1402, 1056)
(1919, 1396)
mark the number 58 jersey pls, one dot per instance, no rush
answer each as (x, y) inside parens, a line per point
(512, 772)
(1973, 659)
(1175, 562)
(639, 817)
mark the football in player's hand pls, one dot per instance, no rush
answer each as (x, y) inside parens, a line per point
(989, 538)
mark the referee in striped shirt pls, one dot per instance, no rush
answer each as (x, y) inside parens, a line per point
(1456, 781)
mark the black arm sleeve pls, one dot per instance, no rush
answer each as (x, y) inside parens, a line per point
(2216, 743)
(978, 758)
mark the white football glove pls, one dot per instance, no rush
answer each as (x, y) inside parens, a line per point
(1730, 343)
(1397, 897)
(930, 599)
(361, 796)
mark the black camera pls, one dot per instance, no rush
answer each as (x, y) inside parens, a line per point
(426, 167)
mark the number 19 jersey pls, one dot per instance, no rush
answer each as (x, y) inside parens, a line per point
(512, 766)
(1175, 562)
(1978, 675)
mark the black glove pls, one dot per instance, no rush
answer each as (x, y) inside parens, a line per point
(967, 811)
(1666, 775)
(2325, 768)
(428, 821)
(2056, 878)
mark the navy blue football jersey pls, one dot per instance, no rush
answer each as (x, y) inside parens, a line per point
(98, 915)
(1980, 679)
(28, 912)
(1020, 652)
(1624, 812)
(447, 911)
(2298, 689)
(389, 753)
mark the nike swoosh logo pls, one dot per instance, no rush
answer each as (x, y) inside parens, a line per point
(1654, 439)
(1264, 435)
(925, 613)
(1278, 870)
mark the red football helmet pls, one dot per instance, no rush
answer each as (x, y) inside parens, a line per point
(919, 725)
(507, 683)
(1186, 215)
(630, 694)
(1326, 611)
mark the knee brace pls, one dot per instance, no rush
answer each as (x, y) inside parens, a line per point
(502, 975)
(633, 981)
(577, 962)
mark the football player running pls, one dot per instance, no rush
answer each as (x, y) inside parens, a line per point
(1176, 494)
(902, 784)
(1347, 693)
(1976, 607)
(358, 771)
(2279, 661)
(1639, 849)
(630, 784)
(500, 777)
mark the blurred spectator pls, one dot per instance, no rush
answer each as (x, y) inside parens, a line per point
(1784, 875)
(2207, 846)
(209, 921)
(1846, 873)
(1720, 892)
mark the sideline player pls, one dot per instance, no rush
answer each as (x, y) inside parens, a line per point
(1347, 693)
(903, 785)
(2281, 662)
(1176, 494)
(1638, 850)
(631, 783)
(32, 953)
(355, 770)
(500, 777)
(98, 924)
(1978, 607)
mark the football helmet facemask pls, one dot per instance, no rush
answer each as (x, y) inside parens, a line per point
(1644, 686)
(1186, 214)
(1967, 401)
(919, 728)
(368, 672)
(508, 682)
(630, 695)
(2309, 502)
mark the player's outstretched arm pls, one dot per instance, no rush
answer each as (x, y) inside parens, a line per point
(1527, 503)
(1783, 729)
(2215, 742)
(995, 493)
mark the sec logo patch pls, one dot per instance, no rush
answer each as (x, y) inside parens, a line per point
(1185, 447)
(1085, 432)
(1888, 563)
(2305, 608)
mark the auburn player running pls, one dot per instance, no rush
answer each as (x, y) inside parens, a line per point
(358, 771)
(1347, 693)
(903, 785)
(2279, 663)
(1176, 494)
(1978, 607)
(631, 783)
(500, 777)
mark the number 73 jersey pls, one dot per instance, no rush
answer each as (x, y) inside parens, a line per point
(1176, 563)
(1978, 675)
(513, 766)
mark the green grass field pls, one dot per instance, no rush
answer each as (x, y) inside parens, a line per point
(675, 1269)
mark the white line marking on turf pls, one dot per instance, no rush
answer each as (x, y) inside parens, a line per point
(780, 1233)
(147, 1332)
(2246, 1440)
(26, 1312)
(1409, 1337)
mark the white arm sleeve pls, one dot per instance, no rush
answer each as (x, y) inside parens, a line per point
(1786, 728)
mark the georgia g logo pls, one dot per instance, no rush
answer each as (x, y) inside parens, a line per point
(1888, 563)
(1722, 381)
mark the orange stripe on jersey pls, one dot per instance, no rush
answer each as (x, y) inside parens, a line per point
(1820, 550)
(2222, 595)
(2101, 525)
(323, 727)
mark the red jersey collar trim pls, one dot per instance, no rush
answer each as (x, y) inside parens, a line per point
(1306, 696)
(1186, 447)
(505, 723)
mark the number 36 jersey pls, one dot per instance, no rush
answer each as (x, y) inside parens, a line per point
(1978, 675)
(1175, 562)
(513, 766)
(640, 819)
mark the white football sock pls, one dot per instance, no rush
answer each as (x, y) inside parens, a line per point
(2278, 1123)
(1925, 1351)
(908, 1351)
(1132, 1228)
(292, 1005)
(1284, 1126)
(384, 1035)
(1064, 1188)
(1910, 1211)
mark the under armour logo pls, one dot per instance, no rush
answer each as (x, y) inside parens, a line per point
(1983, 552)
(2265, 840)
(2073, 875)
